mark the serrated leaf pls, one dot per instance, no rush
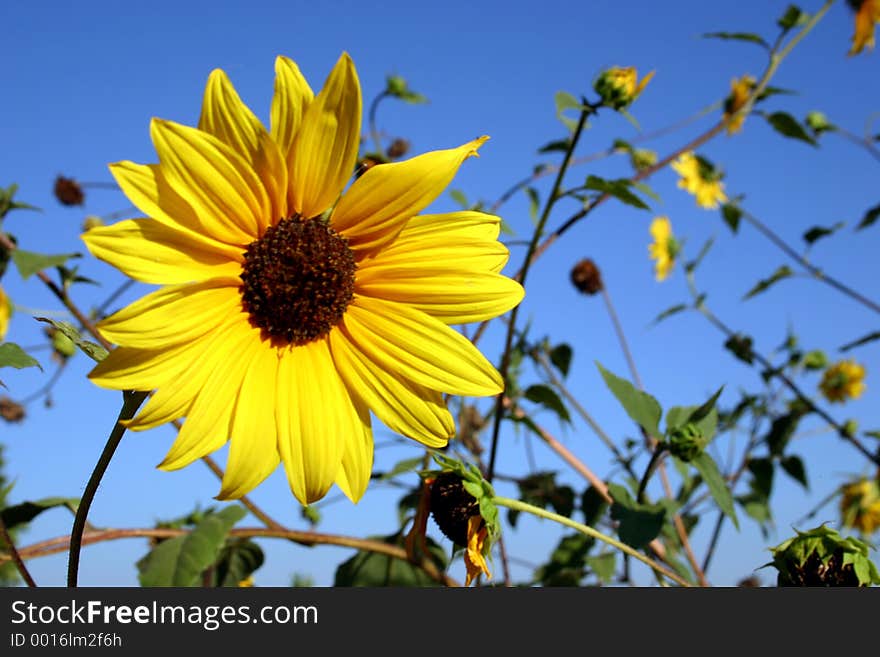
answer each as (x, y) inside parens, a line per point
(669, 312)
(374, 569)
(794, 468)
(640, 406)
(619, 189)
(11, 355)
(29, 263)
(639, 523)
(548, 398)
(23, 513)
(94, 351)
(870, 217)
(714, 480)
(788, 126)
(763, 285)
(818, 232)
(561, 356)
(731, 215)
(865, 339)
(737, 36)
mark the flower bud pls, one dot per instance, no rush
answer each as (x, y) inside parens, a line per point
(686, 442)
(618, 87)
(91, 221)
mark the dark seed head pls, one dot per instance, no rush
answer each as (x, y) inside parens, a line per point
(452, 506)
(812, 572)
(586, 277)
(297, 280)
(68, 191)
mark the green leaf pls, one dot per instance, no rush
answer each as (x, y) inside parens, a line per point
(11, 355)
(406, 465)
(561, 356)
(29, 263)
(870, 217)
(565, 101)
(669, 312)
(873, 434)
(781, 431)
(793, 17)
(738, 36)
(534, 204)
(862, 340)
(815, 360)
(788, 126)
(708, 469)
(459, 197)
(374, 569)
(705, 409)
(762, 476)
(561, 145)
(639, 523)
(540, 489)
(794, 468)
(731, 215)
(180, 561)
(94, 351)
(640, 406)
(783, 272)
(20, 514)
(239, 560)
(741, 347)
(693, 264)
(593, 505)
(603, 565)
(818, 232)
(547, 397)
(566, 566)
(619, 189)
(397, 87)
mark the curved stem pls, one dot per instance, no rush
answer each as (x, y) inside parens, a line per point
(131, 402)
(374, 131)
(593, 533)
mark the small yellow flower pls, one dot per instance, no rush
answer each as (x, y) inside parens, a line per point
(740, 90)
(844, 379)
(860, 505)
(474, 559)
(701, 179)
(665, 247)
(5, 313)
(619, 86)
(867, 16)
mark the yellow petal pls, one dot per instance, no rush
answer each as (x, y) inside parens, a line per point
(215, 181)
(325, 148)
(226, 117)
(253, 451)
(209, 420)
(381, 201)
(152, 252)
(292, 96)
(401, 405)
(175, 314)
(419, 348)
(128, 368)
(450, 227)
(316, 420)
(357, 461)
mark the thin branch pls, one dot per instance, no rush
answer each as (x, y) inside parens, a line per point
(7, 542)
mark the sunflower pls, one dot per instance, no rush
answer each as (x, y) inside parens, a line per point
(700, 178)
(845, 378)
(867, 15)
(860, 505)
(290, 311)
(665, 247)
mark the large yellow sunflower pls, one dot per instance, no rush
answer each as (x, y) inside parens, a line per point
(289, 310)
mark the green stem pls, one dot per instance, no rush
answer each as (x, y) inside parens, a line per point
(131, 402)
(589, 531)
(374, 131)
(652, 466)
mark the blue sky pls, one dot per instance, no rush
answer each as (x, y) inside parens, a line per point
(81, 82)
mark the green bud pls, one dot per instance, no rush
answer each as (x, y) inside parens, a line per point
(63, 345)
(686, 442)
(850, 427)
(91, 221)
(815, 360)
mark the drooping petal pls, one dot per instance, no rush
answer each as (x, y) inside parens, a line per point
(253, 450)
(325, 148)
(292, 97)
(213, 179)
(407, 342)
(357, 461)
(152, 252)
(381, 201)
(316, 420)
(208, 423)
(175, 314)
(403, 406)
(226, 117)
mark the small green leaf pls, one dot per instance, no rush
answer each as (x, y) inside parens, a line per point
(731, 215)
(788, 126)
(870, 217)
(619, 189)
(534, 204)
(561, 356)
(603, 565)
(20, 514)
(11, 355)
(640, 406)
(669, 312)
(94, 351)
(738, 36)
(406, 465)
(793, 17)
(763, 285)
(818, 232)
(459, 197)
(862, 340)
(561, 145)
(29, 263)
(708, 469)
(639, 523)
(794, 468)
(565, 101)
(548, 398)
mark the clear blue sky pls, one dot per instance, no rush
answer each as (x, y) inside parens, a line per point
(81, 82)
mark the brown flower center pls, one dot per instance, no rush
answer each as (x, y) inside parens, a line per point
(297, 280)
